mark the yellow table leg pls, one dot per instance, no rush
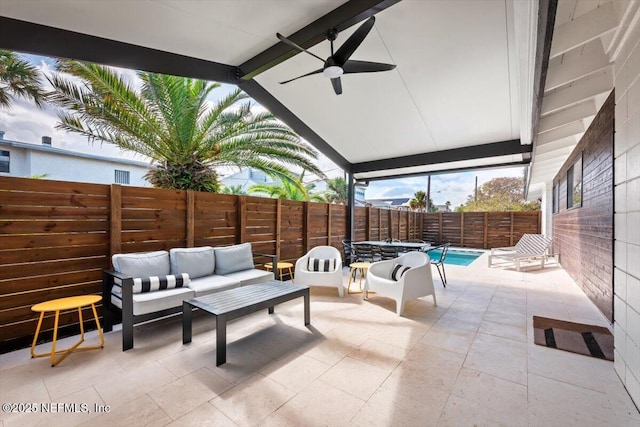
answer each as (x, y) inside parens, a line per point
(74, 347)
(35, 337)
(95, 315)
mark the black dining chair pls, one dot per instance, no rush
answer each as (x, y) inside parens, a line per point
(349, 252)
(388, 252)
(439, 263)
(412, 248)
(364, 253)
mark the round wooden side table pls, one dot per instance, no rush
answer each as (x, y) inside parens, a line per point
(281, 266)
(357, 267)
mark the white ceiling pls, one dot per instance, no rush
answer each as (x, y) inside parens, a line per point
(463, 75)
(587, 36)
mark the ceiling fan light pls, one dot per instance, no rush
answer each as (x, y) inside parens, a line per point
(332, 72)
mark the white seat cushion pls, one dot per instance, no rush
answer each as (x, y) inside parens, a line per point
(251, 277)
(151, 302)
(214, 283)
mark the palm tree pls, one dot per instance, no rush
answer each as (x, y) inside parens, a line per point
(419, 201)
(288, 190)
(18, 79)
(171, 121)
(337, 191)
(233, 189)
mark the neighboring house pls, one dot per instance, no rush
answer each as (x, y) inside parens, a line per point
(21, 159)
(359, 196)
(392, 203)
(443, 208)
(248, 177)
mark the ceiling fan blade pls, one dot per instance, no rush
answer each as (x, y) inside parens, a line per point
(352, 43)
(352, 66)
(337, 85)
(295, 46)
(318, 71)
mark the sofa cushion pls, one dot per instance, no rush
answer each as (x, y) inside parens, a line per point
(142, 264)
(317, 264)
(151, 302)
(398, 271)
(233, 258)
(213, 283)
(196, 262)
(155, 283)
(251, 277)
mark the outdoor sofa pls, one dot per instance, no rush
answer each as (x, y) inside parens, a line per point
(150, 285)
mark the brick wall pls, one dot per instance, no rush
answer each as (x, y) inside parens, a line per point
(583, 236)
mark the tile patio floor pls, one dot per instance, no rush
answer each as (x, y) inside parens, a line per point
(469, 361)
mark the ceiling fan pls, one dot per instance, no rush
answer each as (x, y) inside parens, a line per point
(339, 63)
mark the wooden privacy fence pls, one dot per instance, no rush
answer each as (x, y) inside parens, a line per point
(481, 230)
(56, 237)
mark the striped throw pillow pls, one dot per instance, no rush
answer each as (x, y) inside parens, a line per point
(158, 283)
(398, 271)
(317, 264)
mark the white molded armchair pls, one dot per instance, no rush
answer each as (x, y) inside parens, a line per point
(415, 283)
(321, 278)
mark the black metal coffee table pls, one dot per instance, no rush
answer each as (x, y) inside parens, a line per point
(238, 302)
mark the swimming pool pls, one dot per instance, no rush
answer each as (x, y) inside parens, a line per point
(455, 256)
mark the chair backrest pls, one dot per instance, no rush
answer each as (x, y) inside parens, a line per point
(536, 244)
(363, 252)
(325, 252)
(443, 254)
(347, 248)
(413, 259)
(388, 252)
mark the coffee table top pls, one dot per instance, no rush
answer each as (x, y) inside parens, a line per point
(238, 298)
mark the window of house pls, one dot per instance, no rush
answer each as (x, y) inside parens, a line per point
(574, 185)
(122, 177)
(555, 198)
(5, 157)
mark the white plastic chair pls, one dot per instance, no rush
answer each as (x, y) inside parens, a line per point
(415, 283)
(320, 278)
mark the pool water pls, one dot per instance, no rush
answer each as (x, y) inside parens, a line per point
(455, 256)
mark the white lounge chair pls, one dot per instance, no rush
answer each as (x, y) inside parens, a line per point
(529, 247)
(324, 270)
(416, 282)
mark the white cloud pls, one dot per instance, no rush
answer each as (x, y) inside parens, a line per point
(452, 187)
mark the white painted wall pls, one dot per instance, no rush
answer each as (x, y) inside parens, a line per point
(19, 162)
(62, 167)
(627, 213)
(78, 169)
(546, 206)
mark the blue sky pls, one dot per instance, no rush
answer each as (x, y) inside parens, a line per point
(452, 187)
(26, 123)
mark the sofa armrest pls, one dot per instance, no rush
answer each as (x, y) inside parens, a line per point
(273, 257)
(274, 262)
(126, 283)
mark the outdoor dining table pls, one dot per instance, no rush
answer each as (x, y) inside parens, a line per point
(414, 246)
